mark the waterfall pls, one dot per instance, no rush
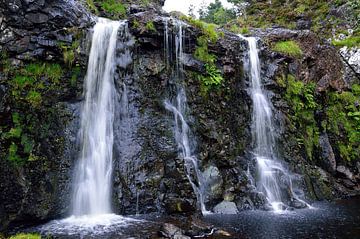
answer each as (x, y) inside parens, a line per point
(273, 180)
(92, 189)
(178, 107)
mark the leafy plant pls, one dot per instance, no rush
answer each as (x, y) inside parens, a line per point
(301, 99)
(343, 113)
(213, 76)
(150, 26)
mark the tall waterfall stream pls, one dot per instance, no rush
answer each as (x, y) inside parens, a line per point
(271, 173)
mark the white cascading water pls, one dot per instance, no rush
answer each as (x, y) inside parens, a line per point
(92, 189)
(91, 202)
(271, 173)
(178, 108)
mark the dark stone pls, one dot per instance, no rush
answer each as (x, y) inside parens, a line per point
(37, 17)
(303, 24)
(2, 98)
(328, 156)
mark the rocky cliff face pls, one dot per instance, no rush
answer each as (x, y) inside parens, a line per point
(39, 103)
(40, 97)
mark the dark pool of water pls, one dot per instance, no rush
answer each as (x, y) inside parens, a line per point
(340, 219)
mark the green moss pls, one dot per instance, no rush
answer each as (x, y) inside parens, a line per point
(136, 24)
(69, 52)
(32, 88)
(34, 70)
(353, 41)
(27, 143)
(113, 7)
(301, 99)
(13, 154)
(343, 113)
(238, 30)
(14, 133)
(21, 81)
(53, 72)
(213, 76)
(150, 26)
(26, 236)
(207, 29)
(76, 71)
(202, 51)
(290, 48)
(34, 98)
(91, 6)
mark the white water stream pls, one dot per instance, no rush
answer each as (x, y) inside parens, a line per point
(271, 173)
(92, 189)
(178, 108)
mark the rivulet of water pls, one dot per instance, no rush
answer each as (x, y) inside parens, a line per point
(178, 107)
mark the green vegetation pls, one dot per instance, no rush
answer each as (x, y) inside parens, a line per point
(301, 99)
(91, 6)
(150, 26)
(26, 236)
(31, 89)
(69, 52)
(75, 74)
(343, 113)
(342, 119)
(213, 76)
(238, 30)
(114, 7)
(216, 13)
(136, 24)
(290, 48)
(353, 41)
(318, 15)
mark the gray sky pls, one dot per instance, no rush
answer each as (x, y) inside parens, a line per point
(183, 5)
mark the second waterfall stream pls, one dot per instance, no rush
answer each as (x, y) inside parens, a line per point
(273, 179)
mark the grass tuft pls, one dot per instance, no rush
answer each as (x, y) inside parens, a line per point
(290, 48)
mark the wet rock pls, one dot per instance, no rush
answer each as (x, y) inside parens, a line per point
(171, 231)
(297, 204)
(178, 205)
(213, 183)
(328, 156)
(344, 170)
(36, 18)
(2, 98)
(303, 24)
(226, 207)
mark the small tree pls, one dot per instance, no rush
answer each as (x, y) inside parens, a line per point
(216, 13)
